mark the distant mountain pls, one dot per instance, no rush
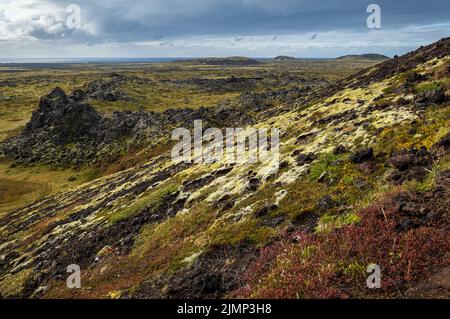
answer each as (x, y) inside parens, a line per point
(234, 60)
(368, 56)
(284, 58)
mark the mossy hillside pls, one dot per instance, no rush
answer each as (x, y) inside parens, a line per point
(224, 211)
(12, 286)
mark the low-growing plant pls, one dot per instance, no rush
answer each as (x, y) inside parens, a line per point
(428, 86)
(338, 258)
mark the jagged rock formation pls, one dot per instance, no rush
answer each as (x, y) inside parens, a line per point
(66, 129)
(64, 120)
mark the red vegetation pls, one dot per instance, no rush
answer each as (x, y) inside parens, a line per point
(333, 265)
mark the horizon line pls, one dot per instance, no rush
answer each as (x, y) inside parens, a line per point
(12, 60)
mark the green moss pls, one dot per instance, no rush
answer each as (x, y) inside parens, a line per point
(150, 201)
(176, 242)
(355, 269)
(90, 173)
(388, 90)
(426, 132)
(13, 285)
(428, 86)
(21, 185)
(323, 165)
(171, 231)
(403, 77)
(186, 255)
(301, 198)
(247, 232)
(329, 222)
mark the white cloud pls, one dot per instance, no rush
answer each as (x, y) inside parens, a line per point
(32, 19)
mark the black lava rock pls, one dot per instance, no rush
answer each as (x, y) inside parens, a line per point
(362, 155)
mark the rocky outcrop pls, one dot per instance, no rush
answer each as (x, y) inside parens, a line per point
(362, 155)
(107, 90)
(63, 119)
(444, 142)
(67, 130)
(230, 84)
(410, 164)
(430, 97)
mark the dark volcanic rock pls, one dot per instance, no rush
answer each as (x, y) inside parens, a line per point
(343, 116)
(410, 164)
(107, 90)
(57, 96)
(414, 78)
(231, 84)
(362, 155)
(413, 210)
(306, 221)
(430, 97)
(303, 159)
(340, 149)
(66, 130)
(212, 275)
(65, 122)
(253, 184)
(404, 159)
(325, 203)
(404, 63)
(265, 209)
(77, 95)
(444, 142)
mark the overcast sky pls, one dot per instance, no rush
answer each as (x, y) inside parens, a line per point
(197, 28)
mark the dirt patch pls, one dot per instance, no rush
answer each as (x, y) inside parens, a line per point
(212, 275)
(435, 287)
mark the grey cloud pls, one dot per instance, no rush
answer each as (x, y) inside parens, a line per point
(146, 20)
(116, 21)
